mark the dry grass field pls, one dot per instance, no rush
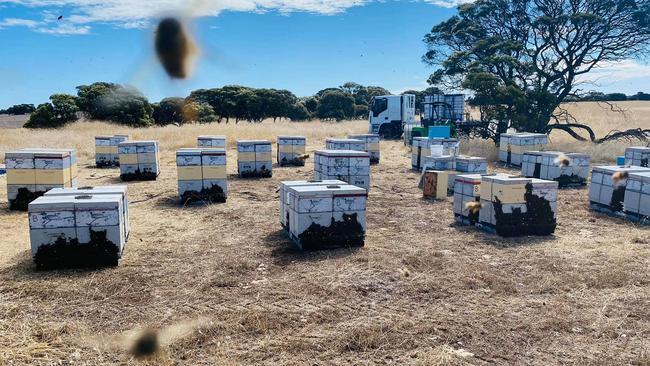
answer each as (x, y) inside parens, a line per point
(223, 286)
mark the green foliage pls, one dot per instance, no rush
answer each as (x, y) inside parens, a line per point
(198, 112)
(19, 109)
(522, 58)
(61, 110)
(335, 105)
(116, 103)
(169, 110)
(299, 112)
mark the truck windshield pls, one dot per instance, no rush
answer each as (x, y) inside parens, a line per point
(378, 106)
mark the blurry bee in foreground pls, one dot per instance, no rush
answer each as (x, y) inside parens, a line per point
(175, 48)
(473, 207)
(562, 160)
(620, 177)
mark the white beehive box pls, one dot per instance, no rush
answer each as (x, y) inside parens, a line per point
(344, 144)
(637, 197)
(299, 183)
(512, 146)
(606, 192)
(567, 169)
(106, 153)
(254, 159)
(467, 198)
(514, 206)
(471, 164)
(637, 156)
(139, 160)
(444, 162)
(292, 150)
(371, 145)
(32, 172)
(98, 191)
(421, 148)
(202, 175)
(349, 166)
(77, 231)
(326, 216)
(212, 141)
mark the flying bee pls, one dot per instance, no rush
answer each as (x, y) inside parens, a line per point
(562, 160)
(620, 177)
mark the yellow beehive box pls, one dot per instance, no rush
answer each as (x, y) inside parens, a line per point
(190, 173)
(436, 184)
(129, 159)
(509, 193)
(263, 156)
(214, 172)
(52, 176)
(246, 156)
(21, 177)
(103, 149)
(286, 148)
(299, 149)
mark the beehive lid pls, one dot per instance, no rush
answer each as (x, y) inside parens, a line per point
(443, 140)
(298, 183)
(213, 151)
(611, 169)
(365, 135)
(103, 137)
(643, 176)
(344, 141)
(469, 178)
(292, 137)
(145, 142)
(52, 203)
(505, 179)
(103, 190)
(189, 152)
(212, 137)
(470, 158)
(544, 183)
(344, 153)
(19, 154)
(638, 148)
(336, 190)
(253, 142)
(88, 202)
(48, 150)
(523, 134)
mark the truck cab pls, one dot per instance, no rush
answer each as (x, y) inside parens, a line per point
(389, 114)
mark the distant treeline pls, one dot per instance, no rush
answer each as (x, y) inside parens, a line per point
(128, 106)
(610, 97)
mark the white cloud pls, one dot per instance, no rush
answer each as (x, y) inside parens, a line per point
(65, 29)
(614, 72)
(15, 22)
(448, 3)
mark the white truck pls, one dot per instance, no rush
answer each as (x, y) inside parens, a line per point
(389, 114)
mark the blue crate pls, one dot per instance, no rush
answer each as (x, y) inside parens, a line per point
(439, 132)
(620, 160)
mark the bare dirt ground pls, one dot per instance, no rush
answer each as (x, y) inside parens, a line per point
(225, 287)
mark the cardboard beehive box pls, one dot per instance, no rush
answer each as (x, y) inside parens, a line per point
(292, 150)
(514, 206)
(212, 141)
(77, 231)
(299, 183)
(467, 198)
(570, 169)
(106, 153)
(608, 187)
(371, 145)
(637, 156)
(202, 175)
(349, 166)
(344, 144)
(326, 216)
(254, 159)
(438, 184)
(637, 197)
(512, 146)
(421, 148)
(139, 160)
(98, 191)
(32, 172)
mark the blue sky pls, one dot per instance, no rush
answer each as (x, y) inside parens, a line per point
(300, 45)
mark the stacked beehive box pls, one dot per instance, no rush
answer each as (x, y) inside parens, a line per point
(371, 145)
(98, 191)
(345, 144)
(326, 216)
(513, 206)
(637, 156)
(467, 198)
(609, 185)
(139, 160)
(202, 175)
(254, 159)
(32, 172)
(567, 169)
(637, 197)
(77, 231)
(444, 162)
(422, 147)
(349, 166)
(512, 146)
(299, 183)
(292, 150)
(471, 164)
(106, 153)
(212, 141)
